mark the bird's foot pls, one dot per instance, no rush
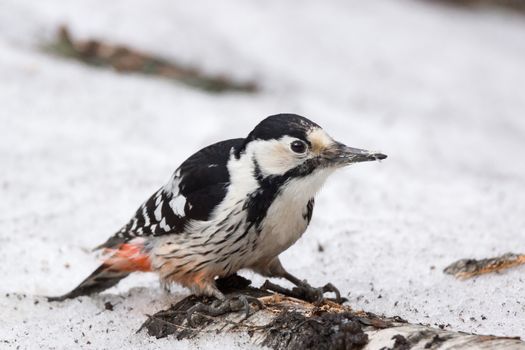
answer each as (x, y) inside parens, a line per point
(231, 303)
(306, 292)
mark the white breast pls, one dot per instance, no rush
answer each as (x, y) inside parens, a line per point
(285, 221)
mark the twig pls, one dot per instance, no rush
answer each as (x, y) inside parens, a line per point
(468, 268)
(125, 59)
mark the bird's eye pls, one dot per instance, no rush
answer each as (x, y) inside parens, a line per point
(298, 146)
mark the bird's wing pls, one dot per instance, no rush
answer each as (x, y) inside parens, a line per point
(194, 190)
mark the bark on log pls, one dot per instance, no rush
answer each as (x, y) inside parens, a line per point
(289, 323)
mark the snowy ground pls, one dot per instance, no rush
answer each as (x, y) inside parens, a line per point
(440, 90)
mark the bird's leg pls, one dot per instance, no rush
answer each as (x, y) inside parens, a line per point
(303, 289)
(223, 305)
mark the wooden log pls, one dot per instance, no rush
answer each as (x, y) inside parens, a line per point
(290, 323)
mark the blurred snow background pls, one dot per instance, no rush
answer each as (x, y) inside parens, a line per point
(440, 90)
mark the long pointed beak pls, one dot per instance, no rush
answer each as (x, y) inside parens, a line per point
(344, 155)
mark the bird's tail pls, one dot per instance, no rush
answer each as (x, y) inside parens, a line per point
(127, 258)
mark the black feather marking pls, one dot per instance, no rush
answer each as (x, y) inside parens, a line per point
(150, 208)
(159, 267)
(244, 234)
(139, 215)
(174, 272)
(225, 220)
(179, 266)
(309, 210)
(206, 252)
(243, 251)
(228, 236)
(158, 231)
(235, 251)
(254, 245)
(221, 248)
(167, 213)
(186, 255)
(237, 226)
(170, 253)
(198, 267)
(220, 228)
(228, 267)
(197, 245)
(224, 240)
(223, 259)
(203, 187)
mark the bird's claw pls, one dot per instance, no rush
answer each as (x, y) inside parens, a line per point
(232, 303)
(316, 295)
(306, 292)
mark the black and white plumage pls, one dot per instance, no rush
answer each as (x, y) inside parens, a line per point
(235, 204)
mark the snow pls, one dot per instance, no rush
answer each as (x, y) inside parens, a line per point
(440, 90)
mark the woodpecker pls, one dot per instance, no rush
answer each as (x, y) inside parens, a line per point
(236, 204)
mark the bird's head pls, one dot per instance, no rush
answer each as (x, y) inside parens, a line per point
(288, 144)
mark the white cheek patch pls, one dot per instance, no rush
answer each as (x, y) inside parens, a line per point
(275, 157)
